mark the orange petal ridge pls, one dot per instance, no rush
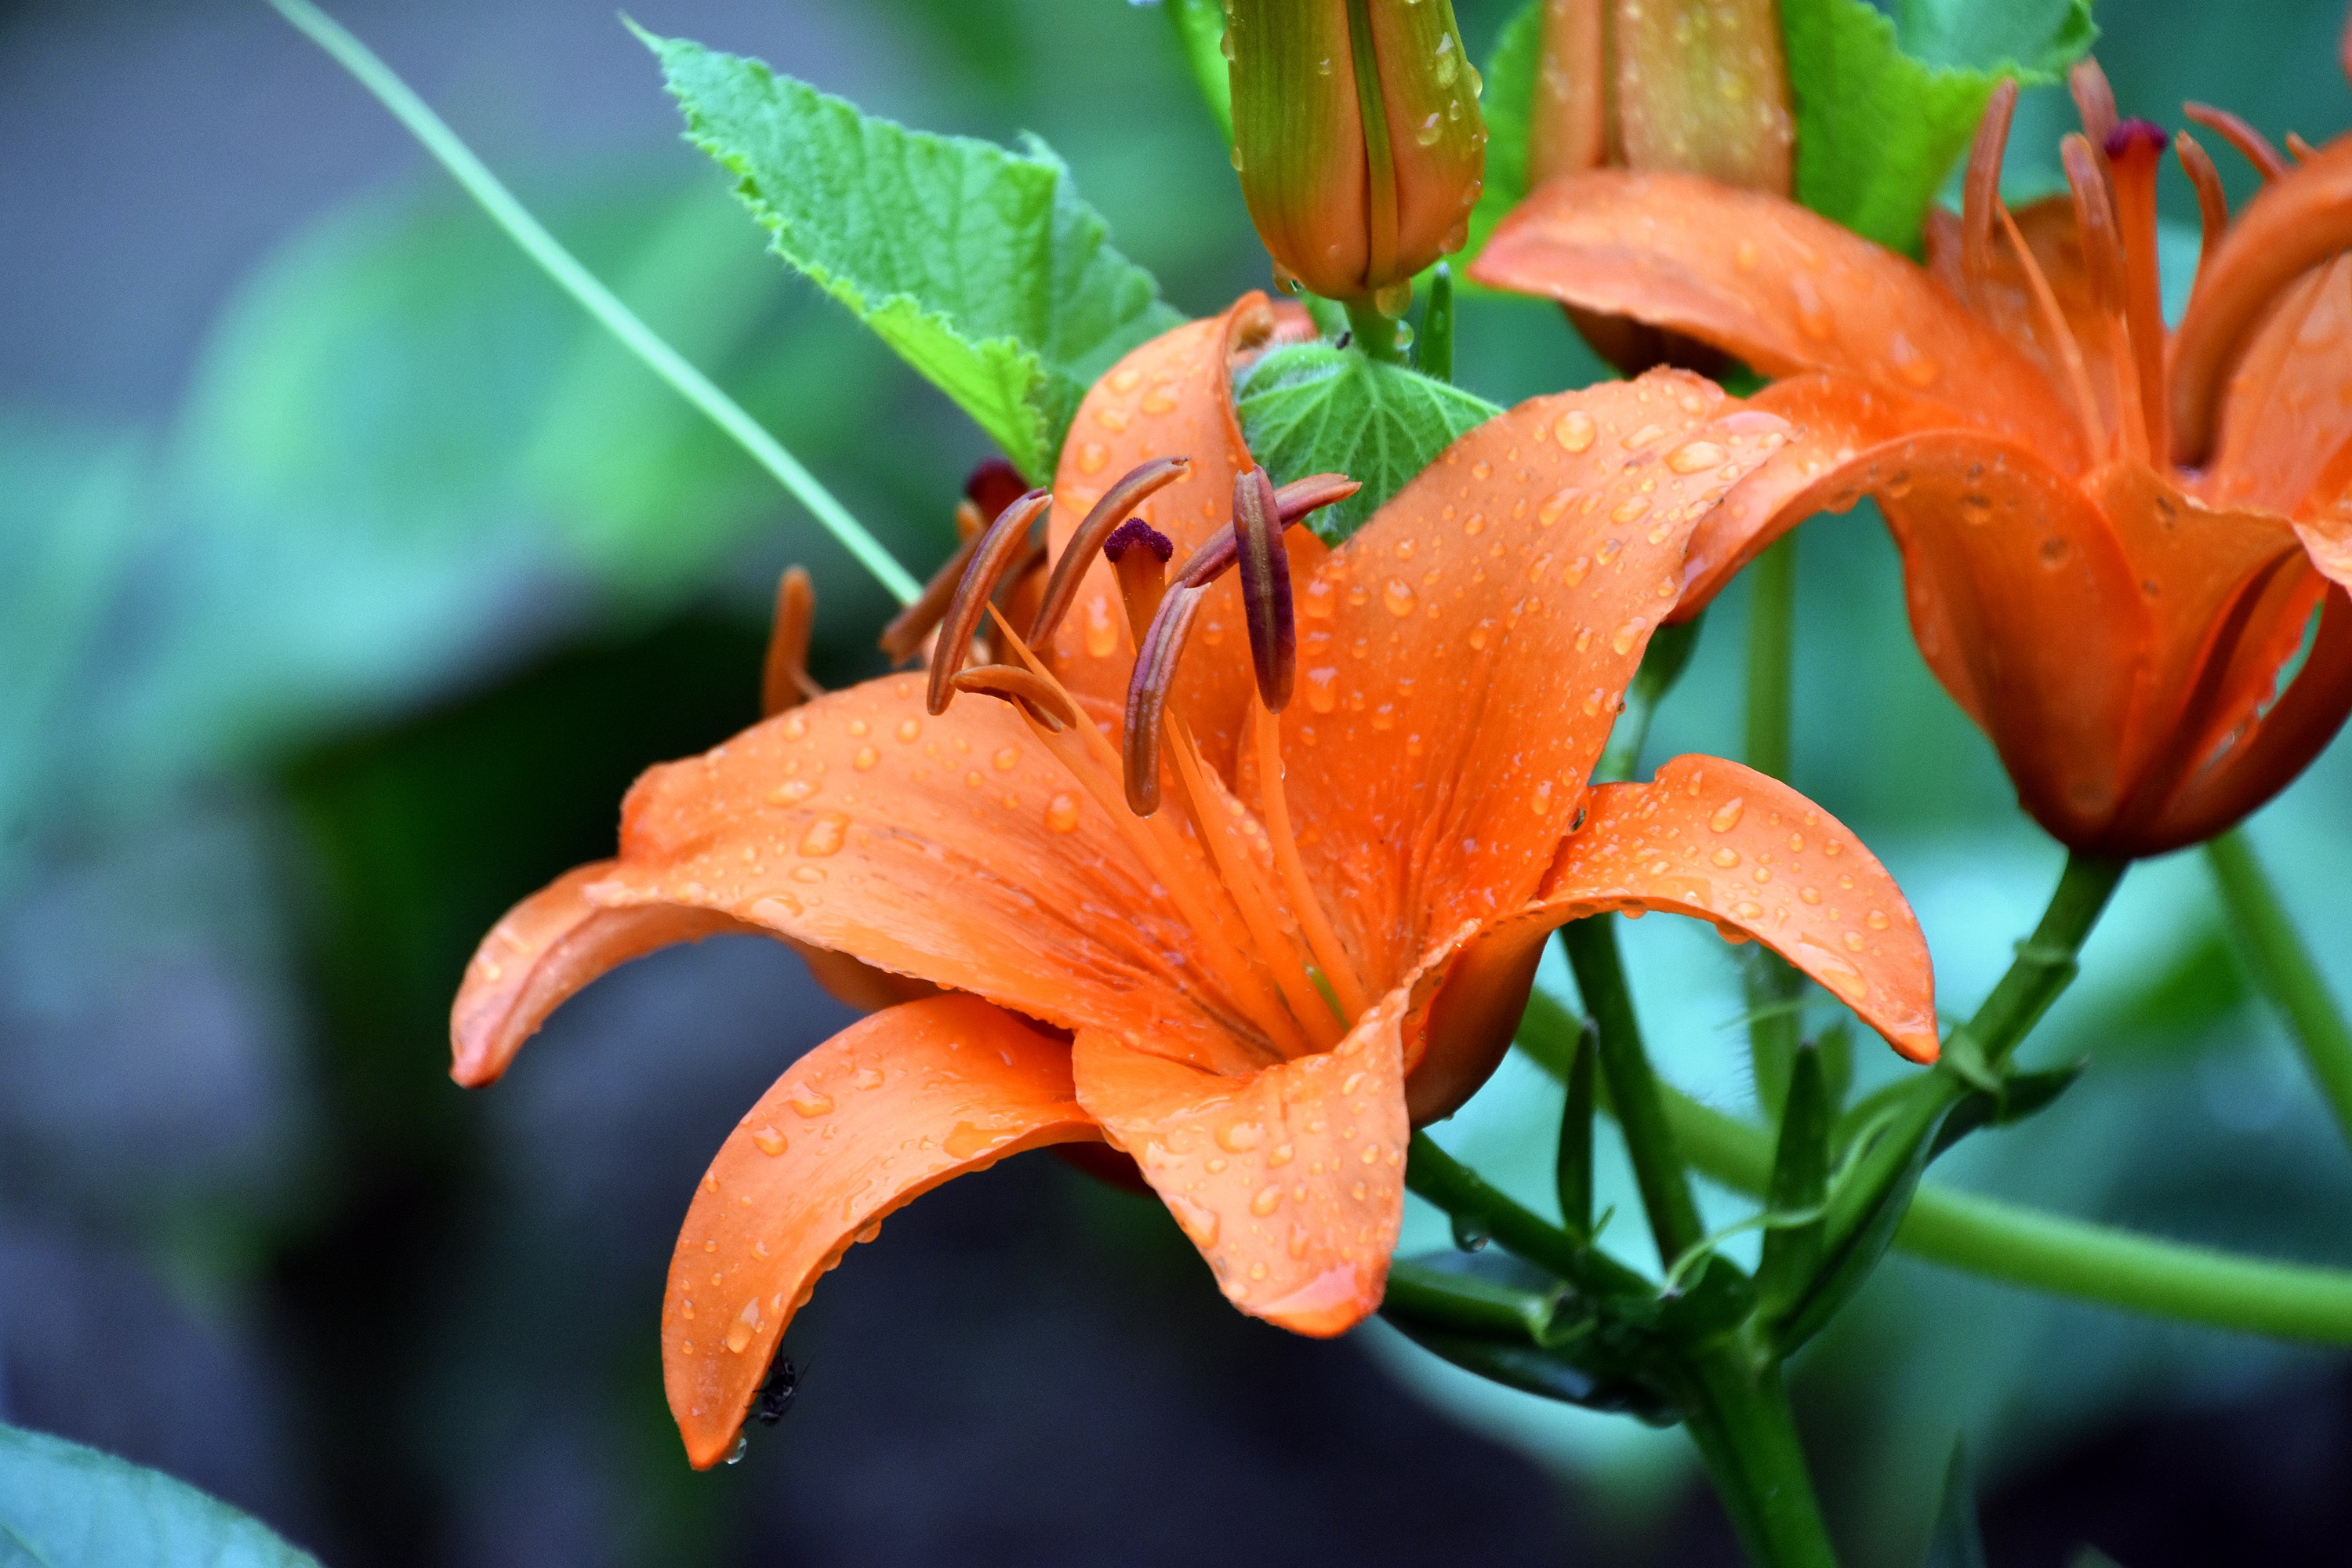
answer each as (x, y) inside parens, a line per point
(1290, 1180)
(2287, 409)
(1782, 288)
(545, 949)
(1463, 656)
(1719, 842)
(954, 848)
(881, 1113)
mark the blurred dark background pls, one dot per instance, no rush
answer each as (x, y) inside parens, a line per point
(347, 577)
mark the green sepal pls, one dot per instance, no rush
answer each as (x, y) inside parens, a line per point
(1955, 1541)
(1434, 352)
(1199, 29)
(2018, 1096)
(1572, 1171)
(1800, 1169)
(1709, 1302)
(1850, 1250)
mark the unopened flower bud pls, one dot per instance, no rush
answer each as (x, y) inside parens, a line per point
(1356, 135)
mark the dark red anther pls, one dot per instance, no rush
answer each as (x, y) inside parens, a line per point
(1266, 608)
(1132, 489)
(1005, 544)
(993, 485)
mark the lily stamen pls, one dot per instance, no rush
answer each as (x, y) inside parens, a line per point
(1266, 608)
(1216, 556)
(903, 638)
(1139, 555)
(1313, 923)
(1981, 194)
(784, 681)
(2212, 201)
(1147, 693)
(2095, 100)
(2133, 149)
(2251, 144)
(1108, 516)
(2069, 350)
(1173, 861)
(2102, 259)
(1004, 546)
(1042, 700)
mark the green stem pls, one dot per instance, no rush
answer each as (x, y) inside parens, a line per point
(1771, 653)
(1372, 334)
(599, 301)
(2062, 1257)
(1772, 986)
(1662, 664)
(1433, 355)
(1591, 947)
(1739, 1418)
(1200, 33)
(2283, 968)
(1462, 1193)
(1977, 1050)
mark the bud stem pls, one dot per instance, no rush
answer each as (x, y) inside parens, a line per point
(1372, 333)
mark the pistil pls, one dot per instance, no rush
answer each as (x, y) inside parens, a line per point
(1139, 555)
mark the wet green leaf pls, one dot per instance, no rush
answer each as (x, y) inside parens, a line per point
(1312, 409)
(979, 266)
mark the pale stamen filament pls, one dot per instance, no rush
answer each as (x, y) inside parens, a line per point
(2212, 201)
(1173, 862)
(1982, 195)
(2103, 257)
(2070, 352)
(1314, 923)
(2251, 144)
(2133, 149)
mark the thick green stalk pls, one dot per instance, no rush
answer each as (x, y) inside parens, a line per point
(599, 301)
(1372, 334)
(1739, 1416)
(2285, 969)
(1773, 987)
(2062, 1257)
(2044, 966)
(1591, 947)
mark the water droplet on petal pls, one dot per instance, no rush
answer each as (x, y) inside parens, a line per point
(1574, 430)
(771, 1141)
(1693, 456)
(1726, 816)
(809, 1101)
(1397, 596)
(825, 834)
(1061, 814)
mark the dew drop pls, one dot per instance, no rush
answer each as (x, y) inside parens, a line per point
(909, 729)
(1876, 919)
(1693, 456)
(1726, 856)
(1397, 596)
(1240, 1137)
(771, 1141)
(1853, 942)
(1061, 814)
(1268, 1199)
(864, 760)
(1726, 816)
(809, 1102)
(825, 834)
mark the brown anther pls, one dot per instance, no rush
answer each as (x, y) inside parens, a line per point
(1266, 608)
(992, 485)
(1147, 694)
(903, 638)
(1022, 687)
(2251, 144)
(1132, 489)
(785, 681)
(1981, 192)
(2212, 201)
(1216, 554)
(2095, 100)
(1003, 546)
(1139, 555)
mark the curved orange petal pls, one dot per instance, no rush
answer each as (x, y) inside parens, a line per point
(2265, 757)
(2027, 609)
(2288, 408)
(1463, 656)
(1290, 1180)
(2324, 519)
(878, 1115)
(1786, 290)
(1172, 398)
(2221, 635)
(2293, 223)
(955, 848)
(1714, 840)
(1840, 427)
(546, 948)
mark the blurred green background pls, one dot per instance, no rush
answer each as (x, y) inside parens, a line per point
(347, 576)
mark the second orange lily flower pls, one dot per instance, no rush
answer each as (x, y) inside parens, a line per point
(1322, 935)
(2116, 541)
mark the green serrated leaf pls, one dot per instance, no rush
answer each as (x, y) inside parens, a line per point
(1507, 103)
(1878, 126)
(1312, 409)
(65, 1506)
(982, 266)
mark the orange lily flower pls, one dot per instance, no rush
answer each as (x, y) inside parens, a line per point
(2114, 540)
(1322, 932)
